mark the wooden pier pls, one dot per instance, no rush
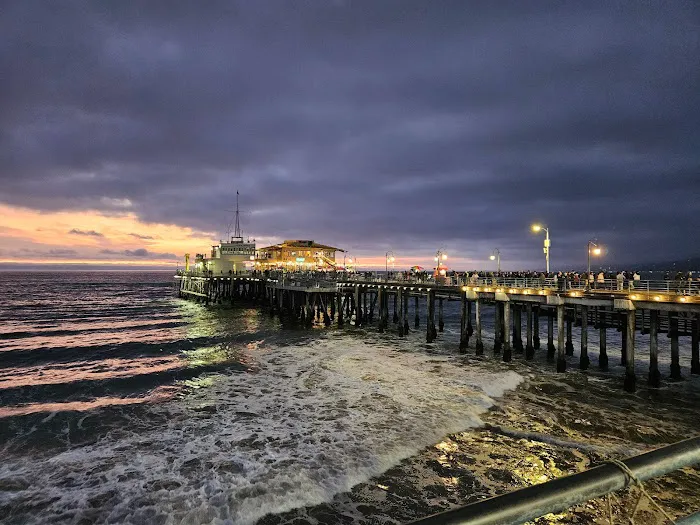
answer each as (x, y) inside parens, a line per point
(648, 309)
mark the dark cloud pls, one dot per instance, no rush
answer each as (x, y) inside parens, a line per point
(63, 253)
(370, 125)
(140, 252)
(143, 237)
(89, 233)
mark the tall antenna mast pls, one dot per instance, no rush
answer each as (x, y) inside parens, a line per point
(237, 231)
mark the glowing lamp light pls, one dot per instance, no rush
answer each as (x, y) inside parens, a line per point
(464, 288)
(634, 297)
(435, 259)
(682, 299)
(597, 251)
(492, 257)
(657, 298)
(477, 289)
(444, 256)
(536, 227)
(499, 290)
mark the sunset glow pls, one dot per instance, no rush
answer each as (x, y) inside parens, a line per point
(93, 237)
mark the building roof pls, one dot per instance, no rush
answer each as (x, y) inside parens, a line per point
(299, 243)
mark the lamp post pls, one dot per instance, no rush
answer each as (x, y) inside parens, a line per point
(596, 251)
(496, 256)
(439, 257)
(537, 228)
(389, 257)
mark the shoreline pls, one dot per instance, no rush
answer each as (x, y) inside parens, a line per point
(541, 430)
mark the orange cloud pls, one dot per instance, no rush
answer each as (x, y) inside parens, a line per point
(92, 237)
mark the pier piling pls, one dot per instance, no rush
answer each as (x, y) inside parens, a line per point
(561, 359)
(695, 344)
(431, 333)
(569, 341)
(654, 374)
(416, 322)
(603, 342)
(529, 348)
(583, 360)
(517, 329)
(463, 326)
(497, 329)
(551, 349)
(479, 346)
(673, 334)
(630, 377)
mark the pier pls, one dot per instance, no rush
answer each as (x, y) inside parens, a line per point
(649, 307)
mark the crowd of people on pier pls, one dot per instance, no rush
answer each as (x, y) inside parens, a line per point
(620, 280)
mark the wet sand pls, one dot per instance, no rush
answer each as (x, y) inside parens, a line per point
(552, 425)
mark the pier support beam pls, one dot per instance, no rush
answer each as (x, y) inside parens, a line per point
(470, 328)
(536, 327)
(358, 306)
(569, 341)
(673, 334)
(431, 333)
(441, 317)
(416, 321)
(623, 351)
(603, 344)
(399, 300)
(551, 349)
(497, 329)
(695, 344)
(396, 314)
(517, 329)
(339, 298)
(479, 343)
(584, 361)
(507, 352)
(561, 360)
(654, 374)
(630, 377)
(405, 311)
(380, 300)
(463, 341)
(529, 349)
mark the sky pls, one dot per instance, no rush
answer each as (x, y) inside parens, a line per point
(126, 129)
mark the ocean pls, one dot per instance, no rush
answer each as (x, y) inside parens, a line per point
(120, 403)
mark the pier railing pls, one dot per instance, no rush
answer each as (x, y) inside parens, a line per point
(562, 493)
(310, 279)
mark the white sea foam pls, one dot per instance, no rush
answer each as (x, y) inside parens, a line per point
(314, 420)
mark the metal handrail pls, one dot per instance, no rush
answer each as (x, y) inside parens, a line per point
(560, 494)
(669, 287)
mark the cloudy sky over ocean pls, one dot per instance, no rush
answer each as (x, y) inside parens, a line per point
(126, 128)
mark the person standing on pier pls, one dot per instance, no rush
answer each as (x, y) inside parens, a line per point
(620, 280)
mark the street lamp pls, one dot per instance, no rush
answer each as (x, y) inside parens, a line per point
(389, 258)
(439, 257)
(496, 256)
(538, 228)
(596, 251)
